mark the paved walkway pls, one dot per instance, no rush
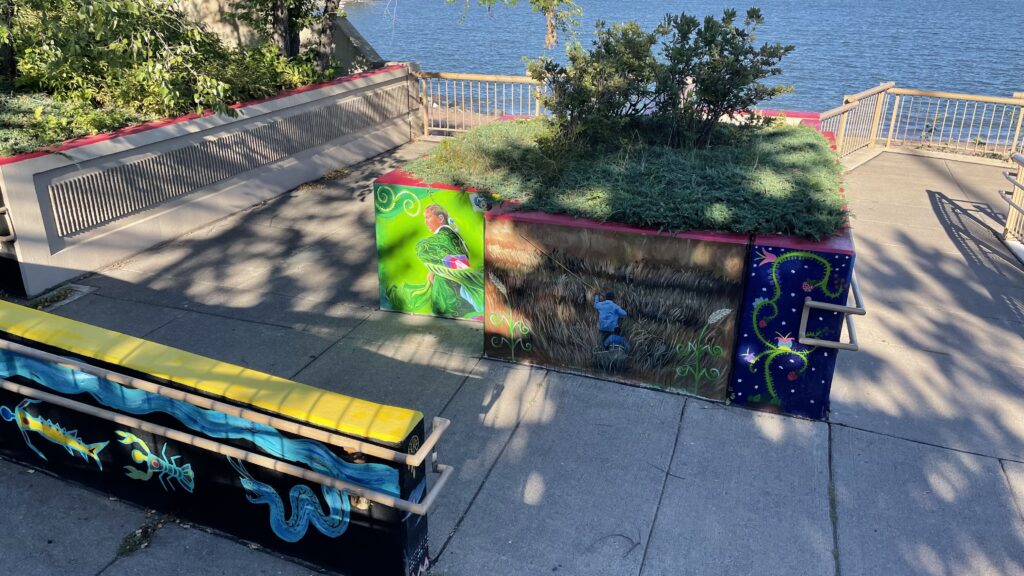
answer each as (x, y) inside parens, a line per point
(920, 472)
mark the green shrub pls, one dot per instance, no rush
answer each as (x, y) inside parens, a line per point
(110, 63)
(144, 57)
(601, 89)
(31, 121)
(713, 70)
(706, 71)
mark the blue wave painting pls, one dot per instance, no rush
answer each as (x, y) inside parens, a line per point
(310, 453)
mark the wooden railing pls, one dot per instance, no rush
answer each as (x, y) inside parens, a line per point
(1014, 230)
(989, 126)
(454, 102)
(855, 123)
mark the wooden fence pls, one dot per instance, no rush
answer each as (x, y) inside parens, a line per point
(988, 126)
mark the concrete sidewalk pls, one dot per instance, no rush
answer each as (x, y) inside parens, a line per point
(921, 470)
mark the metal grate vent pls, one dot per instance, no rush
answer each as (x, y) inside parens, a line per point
(93, 200)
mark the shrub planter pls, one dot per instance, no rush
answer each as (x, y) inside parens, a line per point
(714, 314)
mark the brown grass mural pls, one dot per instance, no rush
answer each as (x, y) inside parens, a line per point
(681, 296)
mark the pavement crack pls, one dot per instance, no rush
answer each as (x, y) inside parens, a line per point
(664, 483)
(923, 443)
(487, 476)
(833, 505)
(1006, 476)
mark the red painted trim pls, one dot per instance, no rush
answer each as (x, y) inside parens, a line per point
(137, 128)
(841, 243)
(791, 114)
(399, 177)
(507, 212)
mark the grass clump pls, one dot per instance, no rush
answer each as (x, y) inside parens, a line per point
(30, 121)
(771, 179)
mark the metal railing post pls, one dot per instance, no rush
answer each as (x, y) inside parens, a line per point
(1014, 229)
(841, 132)
(423, 106)
(876, 118)
(1016, 144)
(892, 122)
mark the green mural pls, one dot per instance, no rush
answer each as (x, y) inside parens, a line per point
(430, 250)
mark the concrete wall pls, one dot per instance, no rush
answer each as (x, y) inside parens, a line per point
(213, 13)
(97, 201)
(351, 50)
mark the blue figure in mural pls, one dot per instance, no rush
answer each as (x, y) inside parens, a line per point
(68, 439)
(616, 342)
(608, 314)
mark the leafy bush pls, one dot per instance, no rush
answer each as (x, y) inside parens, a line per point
(714, 70)
(706, 71)
(600, 88)
(142, 56)
(30, 121)
(109, 63)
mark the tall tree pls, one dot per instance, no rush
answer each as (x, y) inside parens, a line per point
(561, 15)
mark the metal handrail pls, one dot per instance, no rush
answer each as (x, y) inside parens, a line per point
(334, 439)
(1014, 228)
(5, 213)
(419, 508)
(1013, 180)
(883, 87)
(957, 96)
(838, 110)
(848, 313)
(477, 77)
(1008, 198)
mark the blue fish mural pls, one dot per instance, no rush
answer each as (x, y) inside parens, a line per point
(310, 453)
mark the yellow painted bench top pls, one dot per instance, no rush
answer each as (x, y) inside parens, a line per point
(304, 403)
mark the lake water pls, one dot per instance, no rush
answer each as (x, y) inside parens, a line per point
(842, 46)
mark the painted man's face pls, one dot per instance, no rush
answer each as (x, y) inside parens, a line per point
(434, 220)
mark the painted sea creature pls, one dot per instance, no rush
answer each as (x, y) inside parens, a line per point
(165, 469)
(765, 257)
(51, 431)
(303, 503)
(315, 455)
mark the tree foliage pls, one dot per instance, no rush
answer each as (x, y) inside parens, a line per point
(141, 57)
(705, 71)
(561, 15)
(714, 69)
(600, 88)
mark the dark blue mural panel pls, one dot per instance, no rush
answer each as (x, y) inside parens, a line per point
(320, 524)
(771, 369)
